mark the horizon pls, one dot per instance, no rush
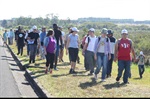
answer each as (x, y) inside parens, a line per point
(138, 10)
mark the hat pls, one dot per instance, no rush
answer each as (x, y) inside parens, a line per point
(34, 27)
(92, 29)
(74, 29)
(124, 31)
(60, 27)
(110, 32)
(141, 53)
(104, 31)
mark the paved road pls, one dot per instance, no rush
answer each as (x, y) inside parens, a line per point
(12, 80)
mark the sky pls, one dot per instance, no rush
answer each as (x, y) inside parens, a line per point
(139, 10)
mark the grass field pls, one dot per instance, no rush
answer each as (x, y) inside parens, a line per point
(62, 84)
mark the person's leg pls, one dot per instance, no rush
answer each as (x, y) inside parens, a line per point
(21, 49)
(139, 67)
(127, 71)
(85, 61)
(143, 69)
(90, 56)
(34, 53)
(47, 62)
(56, 57)
(75, 54)
(120, 69)
(31, 47)
(99, 63)
(52, 55)
(18, 49)
(109, 65)
(104, 70)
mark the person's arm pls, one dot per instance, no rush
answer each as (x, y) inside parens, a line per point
(116, 52)
(85, 46)
(61, 42)
(133, 53)
(67, 45)
(109, 49)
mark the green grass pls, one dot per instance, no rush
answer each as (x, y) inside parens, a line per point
(61, 84)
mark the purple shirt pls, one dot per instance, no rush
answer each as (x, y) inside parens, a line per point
(51, 45)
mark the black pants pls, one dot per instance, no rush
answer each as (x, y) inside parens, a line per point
(74, 54)
(50, 59)
(109, 65)
(20, 49)
(141, 70)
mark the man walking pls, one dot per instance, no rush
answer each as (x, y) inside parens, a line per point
(123, 49)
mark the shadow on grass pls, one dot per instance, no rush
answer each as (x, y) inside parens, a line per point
(60, 75)
(39, 72)
(36, 76)
(138, 78)
(114, 85)
(6, 57)
(89, 84)
(64, 64)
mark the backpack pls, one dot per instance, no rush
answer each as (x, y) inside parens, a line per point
(99, 38)
(83, 41)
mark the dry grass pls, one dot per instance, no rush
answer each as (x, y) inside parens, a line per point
(62, 84)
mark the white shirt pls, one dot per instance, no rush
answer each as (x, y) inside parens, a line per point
(101, 48)
(91, 43)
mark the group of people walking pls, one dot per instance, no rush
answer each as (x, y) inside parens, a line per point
(99, 52)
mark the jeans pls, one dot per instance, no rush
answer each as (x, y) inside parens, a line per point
(33, 49)
(102, 60)
(28, 49)
(121, 66)
(141, 70)
(109, 65)
(20, 49)
(57, 51)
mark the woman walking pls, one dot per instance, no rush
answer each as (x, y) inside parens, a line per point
(50, 49)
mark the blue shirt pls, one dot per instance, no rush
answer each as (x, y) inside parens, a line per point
(42, 36)
(73, 41)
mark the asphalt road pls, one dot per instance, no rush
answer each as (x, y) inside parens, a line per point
(12, 81)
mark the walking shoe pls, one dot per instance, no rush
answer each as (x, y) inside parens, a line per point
(74, 72)
(55, 68)
(33, 61)
(117, 79)
(29, 61)
(90, 74)
(103, 80)
(50, 71)
(70, 72)
(125, 82)
(141, 76)
(46, 71)
(95, 76)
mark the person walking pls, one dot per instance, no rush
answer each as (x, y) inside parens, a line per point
(73, 46)
(112, 50)
(10, 37)
(21, 41)
(50, 48)
(34, 42)
(102, 53)
(123, 50)
(58, 37)
(141, 63)
(89, 48)
(5, 38)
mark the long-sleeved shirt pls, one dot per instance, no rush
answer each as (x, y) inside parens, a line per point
(11, 34)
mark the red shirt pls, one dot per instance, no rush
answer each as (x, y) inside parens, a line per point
(124, 50)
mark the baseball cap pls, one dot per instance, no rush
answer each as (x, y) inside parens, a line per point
(74, 29)
(92, 29)
(34, 27)
(110, 32)
(141, 53)
(124, 31)
(104, 31)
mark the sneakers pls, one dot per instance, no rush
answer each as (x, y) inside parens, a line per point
(46, 71)
(33, 61)
(117, 79)
(71, 70)
(55, 68)
(29, 61)
(95, 76)
(103, 80)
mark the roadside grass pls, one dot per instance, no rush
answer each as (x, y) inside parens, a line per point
(62, 84)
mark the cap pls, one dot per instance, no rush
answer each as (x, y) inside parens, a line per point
(104, 31)
(141, 53)
(110, 32)
(124, 31)
(34, 27)
(74, 29)
(92, 29)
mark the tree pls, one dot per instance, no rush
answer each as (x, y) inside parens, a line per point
(4, 23)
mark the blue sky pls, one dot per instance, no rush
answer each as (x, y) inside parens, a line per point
(120, 9)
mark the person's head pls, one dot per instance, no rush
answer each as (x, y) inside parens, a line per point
(11, 29)
(43, 29)
(110, 33)
(141, 53)
(74, 30)
(34, 28)
(5, 31)
(104, 32)
(124, 33)
(69, 29)
(22, 31)
(50, 33)
(91, 32)
(55, 26)
(60, 28)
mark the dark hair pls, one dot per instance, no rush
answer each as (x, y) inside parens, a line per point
(55, 26)
(50, 32)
